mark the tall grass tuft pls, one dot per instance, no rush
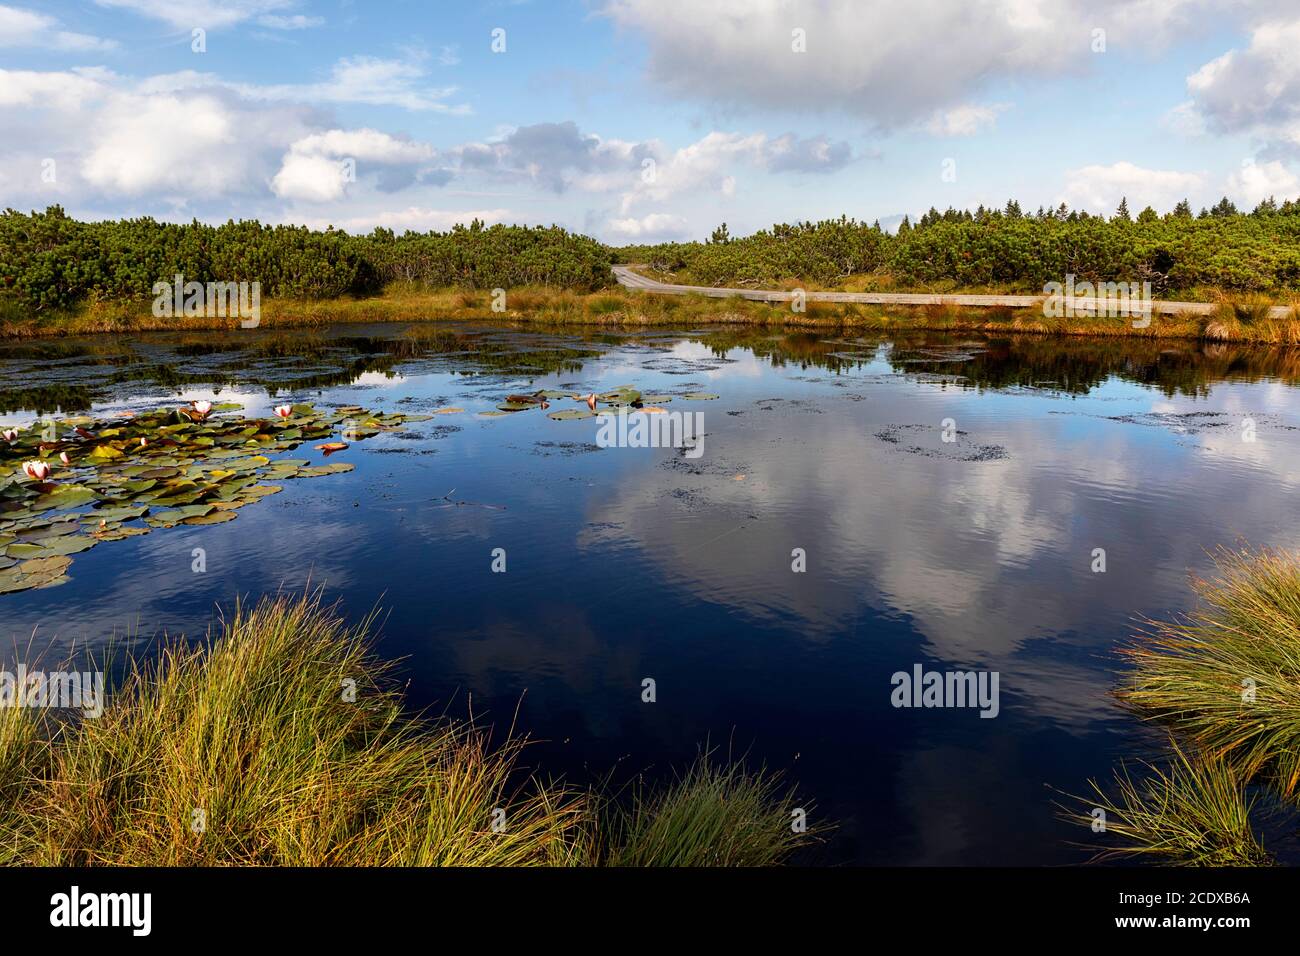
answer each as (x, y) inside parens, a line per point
(714, 815)
(1228, 675)
(1194, 813)
(282, 740)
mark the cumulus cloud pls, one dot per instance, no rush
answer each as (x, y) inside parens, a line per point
(1100, 188)
(656, 226)
(191, 147)
(553, 155)
(885, 60)
(1258, 181)
(817, 154)
(65, 91)
(707, 165)
(26, 28)
(1254, 90)
(318, 167)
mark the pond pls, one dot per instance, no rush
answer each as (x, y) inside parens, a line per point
(854, 508)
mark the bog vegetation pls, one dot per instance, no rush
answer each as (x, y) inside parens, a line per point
(1223, 682)
(51, 262)
(285, 741)
(60, 275)
(1006, 250)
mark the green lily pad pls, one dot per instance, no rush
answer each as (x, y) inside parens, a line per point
(700, 396)
(571, 414)
(319, 470)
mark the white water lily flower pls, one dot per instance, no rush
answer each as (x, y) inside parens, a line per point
(36, 470)
(284, 411)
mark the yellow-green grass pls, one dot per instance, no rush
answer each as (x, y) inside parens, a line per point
(1224, 681)
(1195, 812)
(1235, 321)
(282, 740)
(716, 814)
(1228, 675)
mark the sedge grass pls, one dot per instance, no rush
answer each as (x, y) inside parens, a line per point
(1194, 812)
(618, 307)
(1224, 680)
(282, 740)
(716, 814)
(1228, 675)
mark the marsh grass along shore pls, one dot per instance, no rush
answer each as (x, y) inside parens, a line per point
(284, 741)
(1241, 319)
(1223, 681)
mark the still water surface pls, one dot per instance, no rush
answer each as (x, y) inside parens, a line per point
(631, 563)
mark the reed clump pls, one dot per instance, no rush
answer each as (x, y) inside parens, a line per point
(1224, 681)
(282, 740)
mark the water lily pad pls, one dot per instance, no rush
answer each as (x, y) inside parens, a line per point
(65, 496)
(319, 470)
(117, 534)
(53, 565)
(217, 517)
(571, 414)
(700, 396)
(72, 544)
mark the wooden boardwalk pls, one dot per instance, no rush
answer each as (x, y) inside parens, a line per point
(1081, 305)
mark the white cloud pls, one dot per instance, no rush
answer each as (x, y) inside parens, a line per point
(25, 28)
(296, 22)
(366, 80)
(193, 147)
(1258, 181)
(707, 165)
(207, 14)
(1100, 188)
(67, 91)
(965, 120)
(1255, 90)
(314, 169)
(654, 226)
(892, 61)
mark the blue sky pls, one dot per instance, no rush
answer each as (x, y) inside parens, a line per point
(638, 120)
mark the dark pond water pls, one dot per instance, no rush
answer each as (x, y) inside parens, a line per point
(632, 563)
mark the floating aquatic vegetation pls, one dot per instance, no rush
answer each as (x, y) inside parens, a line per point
(621, 397)
(700, 396)
(571, 414)
(69, 485)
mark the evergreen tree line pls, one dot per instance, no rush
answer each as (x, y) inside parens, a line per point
(1221, 247)
(49, 261)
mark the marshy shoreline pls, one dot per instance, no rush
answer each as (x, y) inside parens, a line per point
(282, 740)
(1239, 320)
